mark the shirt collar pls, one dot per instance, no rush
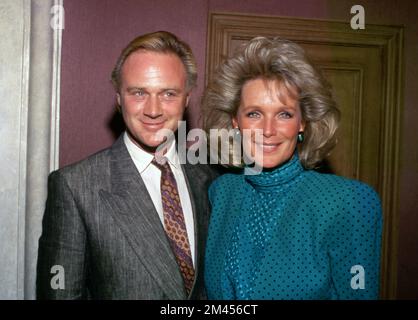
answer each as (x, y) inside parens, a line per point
(143, 158)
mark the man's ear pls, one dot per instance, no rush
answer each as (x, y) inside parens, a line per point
(118, 98)
(118, 104)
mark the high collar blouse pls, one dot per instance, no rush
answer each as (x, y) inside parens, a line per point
(290, 233)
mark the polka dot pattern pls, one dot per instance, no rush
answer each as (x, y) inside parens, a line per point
(292, 233)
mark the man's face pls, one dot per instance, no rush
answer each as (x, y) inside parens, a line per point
(153, 96)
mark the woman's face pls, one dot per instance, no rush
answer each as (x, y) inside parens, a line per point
(268, 105)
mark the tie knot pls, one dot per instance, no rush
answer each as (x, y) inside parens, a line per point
(161, 163)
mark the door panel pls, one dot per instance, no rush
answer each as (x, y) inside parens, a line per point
(354, 74)
(346, 84)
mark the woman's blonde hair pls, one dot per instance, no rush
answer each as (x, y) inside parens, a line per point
(286, 62)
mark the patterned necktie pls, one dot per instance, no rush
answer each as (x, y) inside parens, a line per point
(174, 224)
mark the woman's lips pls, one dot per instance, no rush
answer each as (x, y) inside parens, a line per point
(268, 147)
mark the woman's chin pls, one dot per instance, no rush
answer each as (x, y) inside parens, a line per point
(267, 164)
(270, 163)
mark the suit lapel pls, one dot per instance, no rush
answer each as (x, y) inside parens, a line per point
(194, 182)
(132, 208)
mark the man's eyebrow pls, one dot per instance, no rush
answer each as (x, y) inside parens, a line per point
(172, 88)
(177, 89)
(134, 88)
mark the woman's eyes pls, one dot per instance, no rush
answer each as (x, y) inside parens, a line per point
(252, 114)
(282, 115)
(285, 115)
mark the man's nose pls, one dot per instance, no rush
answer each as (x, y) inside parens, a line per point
(152, 107)
(269, 127)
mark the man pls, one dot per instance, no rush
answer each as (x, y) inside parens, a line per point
(120, 225)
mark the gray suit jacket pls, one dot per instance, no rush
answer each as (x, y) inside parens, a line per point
(101, 226)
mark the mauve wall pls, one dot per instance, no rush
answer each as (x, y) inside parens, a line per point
(96, 31)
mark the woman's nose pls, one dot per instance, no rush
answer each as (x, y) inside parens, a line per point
(269, 127)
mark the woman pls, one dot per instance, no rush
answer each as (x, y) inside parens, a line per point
(288, 232)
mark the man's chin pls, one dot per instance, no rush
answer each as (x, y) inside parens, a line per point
(153, 146)
(148, 145)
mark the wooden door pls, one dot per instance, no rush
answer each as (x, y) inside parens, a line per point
(364, 68)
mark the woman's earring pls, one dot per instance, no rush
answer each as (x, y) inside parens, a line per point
(301, 137)
(237, 133)
(235, 156)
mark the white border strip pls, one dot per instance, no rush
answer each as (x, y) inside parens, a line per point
(55, 95)
(23, 151)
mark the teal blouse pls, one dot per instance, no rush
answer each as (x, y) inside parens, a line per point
(292, 233)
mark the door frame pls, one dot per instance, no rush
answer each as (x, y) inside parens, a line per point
(29, 116)
(226, 27)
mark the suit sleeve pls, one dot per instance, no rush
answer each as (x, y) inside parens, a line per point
(62, 263)
(354, 247)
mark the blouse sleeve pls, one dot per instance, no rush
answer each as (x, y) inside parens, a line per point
(354, 245)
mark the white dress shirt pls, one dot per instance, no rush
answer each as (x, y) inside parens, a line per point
(152, 177)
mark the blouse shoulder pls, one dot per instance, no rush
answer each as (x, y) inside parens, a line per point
(333, 183)
(353, 195)
(225, 182)
(352, 232)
